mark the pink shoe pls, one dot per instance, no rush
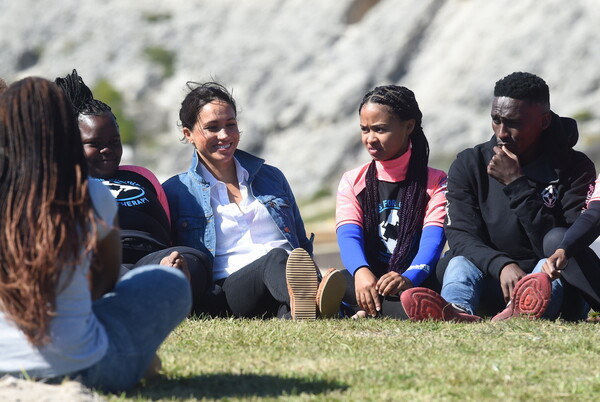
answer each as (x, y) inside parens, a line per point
(530, 297)
(425, 304)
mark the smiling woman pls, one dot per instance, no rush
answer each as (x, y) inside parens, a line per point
(101, 144)
(243, 212)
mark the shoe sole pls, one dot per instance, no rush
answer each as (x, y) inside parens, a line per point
(301, 277)
(422, 304)
(330, 293)
(531, 297)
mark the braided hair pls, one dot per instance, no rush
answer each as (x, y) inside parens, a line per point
(45, 208)
(402, 103)
(81, 96)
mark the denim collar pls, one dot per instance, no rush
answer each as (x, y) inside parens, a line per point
(251, 163)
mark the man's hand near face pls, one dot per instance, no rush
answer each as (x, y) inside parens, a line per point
(504, 166)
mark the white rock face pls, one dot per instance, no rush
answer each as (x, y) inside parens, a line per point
(299, 68)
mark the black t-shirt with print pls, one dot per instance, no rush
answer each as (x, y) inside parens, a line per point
(142, 218)
(390, 194)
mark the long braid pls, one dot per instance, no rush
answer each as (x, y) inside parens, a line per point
(413, 202)
(371, 213)
(81, 96)
(45, 208)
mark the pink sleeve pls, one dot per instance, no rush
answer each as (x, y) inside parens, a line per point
(596, 194)
(347, 208)
(435, 214)
(160, 193)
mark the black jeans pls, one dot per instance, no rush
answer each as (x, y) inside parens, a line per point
(257, 290)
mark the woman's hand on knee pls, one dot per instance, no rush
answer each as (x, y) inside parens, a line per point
(554, 264)
(392, 283)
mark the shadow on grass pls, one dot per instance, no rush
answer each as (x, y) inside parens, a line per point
(228, 385)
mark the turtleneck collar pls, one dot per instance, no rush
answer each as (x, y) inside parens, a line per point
(394, 170)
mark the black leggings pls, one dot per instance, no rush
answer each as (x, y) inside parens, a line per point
(257, 290)
(582, 272)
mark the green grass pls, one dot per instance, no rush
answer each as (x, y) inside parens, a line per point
(165, 58)
(107, 93)
(376, 360)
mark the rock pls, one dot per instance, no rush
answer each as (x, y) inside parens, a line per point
(299, 68)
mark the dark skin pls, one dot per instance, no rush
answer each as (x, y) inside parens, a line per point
(103, 150)
(518, 127)
(101, 144)
(556, 263)
(385, 136)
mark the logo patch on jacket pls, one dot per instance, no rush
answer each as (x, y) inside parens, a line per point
(549, 196)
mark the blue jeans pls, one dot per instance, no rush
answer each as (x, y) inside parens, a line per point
(145, 306)
(464, 284)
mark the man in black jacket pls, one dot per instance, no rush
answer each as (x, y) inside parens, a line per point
(503, 197)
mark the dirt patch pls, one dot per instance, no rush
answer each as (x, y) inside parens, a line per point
(13, 389)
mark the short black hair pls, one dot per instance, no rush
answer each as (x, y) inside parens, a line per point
(523, 86)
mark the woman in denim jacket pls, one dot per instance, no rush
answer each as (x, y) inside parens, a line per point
(242, 212)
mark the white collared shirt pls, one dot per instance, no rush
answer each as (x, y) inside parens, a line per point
(244, 232)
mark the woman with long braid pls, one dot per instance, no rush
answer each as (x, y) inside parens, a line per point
(390, 212)
(60, 313)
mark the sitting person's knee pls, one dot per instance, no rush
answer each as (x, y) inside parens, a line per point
(552, 240)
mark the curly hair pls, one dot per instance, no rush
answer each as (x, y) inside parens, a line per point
(45, 208)
(524, 86)
(401, 101)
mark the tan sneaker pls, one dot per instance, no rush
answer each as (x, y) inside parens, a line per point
(330, 293)
(302, 283)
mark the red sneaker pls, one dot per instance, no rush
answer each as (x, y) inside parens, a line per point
(425, 304)
(530, 297)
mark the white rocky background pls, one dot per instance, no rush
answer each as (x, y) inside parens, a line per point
(299, 68)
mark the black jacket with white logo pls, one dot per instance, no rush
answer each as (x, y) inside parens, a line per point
(494, 225)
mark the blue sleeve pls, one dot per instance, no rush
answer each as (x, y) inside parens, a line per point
(352, 250)
(430, 247)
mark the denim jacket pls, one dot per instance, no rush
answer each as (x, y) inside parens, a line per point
(192, 219)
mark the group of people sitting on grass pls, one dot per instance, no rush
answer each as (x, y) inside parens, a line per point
(99, 262)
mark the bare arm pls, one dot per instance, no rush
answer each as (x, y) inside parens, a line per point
(106, 263)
